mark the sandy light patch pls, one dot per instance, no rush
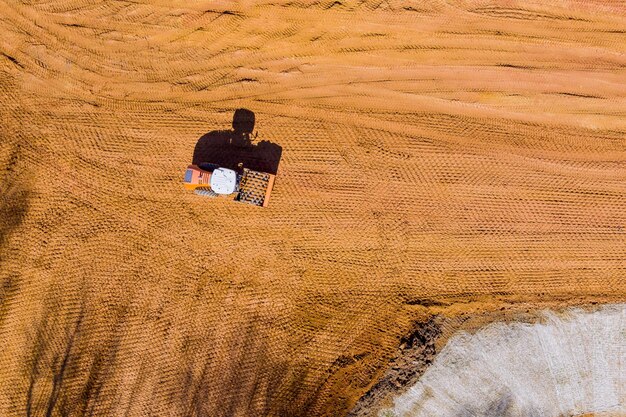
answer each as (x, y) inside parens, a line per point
(570, 364)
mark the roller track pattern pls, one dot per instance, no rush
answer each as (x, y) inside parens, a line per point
(205, 192)
(469, 155)
(253, 187)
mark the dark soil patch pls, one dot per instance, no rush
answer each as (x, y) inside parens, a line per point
(416, 353)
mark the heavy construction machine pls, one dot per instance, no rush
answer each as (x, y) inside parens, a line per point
(244, 185)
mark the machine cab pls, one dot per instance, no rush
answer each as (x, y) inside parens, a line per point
(220, 180)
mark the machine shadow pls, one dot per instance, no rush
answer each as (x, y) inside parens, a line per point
(229, 148)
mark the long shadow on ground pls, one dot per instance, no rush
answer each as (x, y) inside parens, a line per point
(228, 148)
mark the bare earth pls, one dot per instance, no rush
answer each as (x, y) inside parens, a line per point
(457, 158)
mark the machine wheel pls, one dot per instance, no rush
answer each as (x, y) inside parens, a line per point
(205, 192)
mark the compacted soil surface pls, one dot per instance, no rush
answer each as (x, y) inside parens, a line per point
(437, 161)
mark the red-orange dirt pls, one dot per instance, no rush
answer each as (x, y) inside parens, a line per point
(445, 159)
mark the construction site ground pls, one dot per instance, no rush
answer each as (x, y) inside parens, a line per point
(453, 159)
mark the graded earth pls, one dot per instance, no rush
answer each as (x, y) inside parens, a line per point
(454, 162)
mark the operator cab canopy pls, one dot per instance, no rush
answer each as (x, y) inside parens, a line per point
(223, 181)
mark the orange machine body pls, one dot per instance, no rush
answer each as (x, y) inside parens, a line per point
(253, 187)
(196, 177)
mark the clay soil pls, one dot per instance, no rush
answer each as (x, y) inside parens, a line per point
(437, 159)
